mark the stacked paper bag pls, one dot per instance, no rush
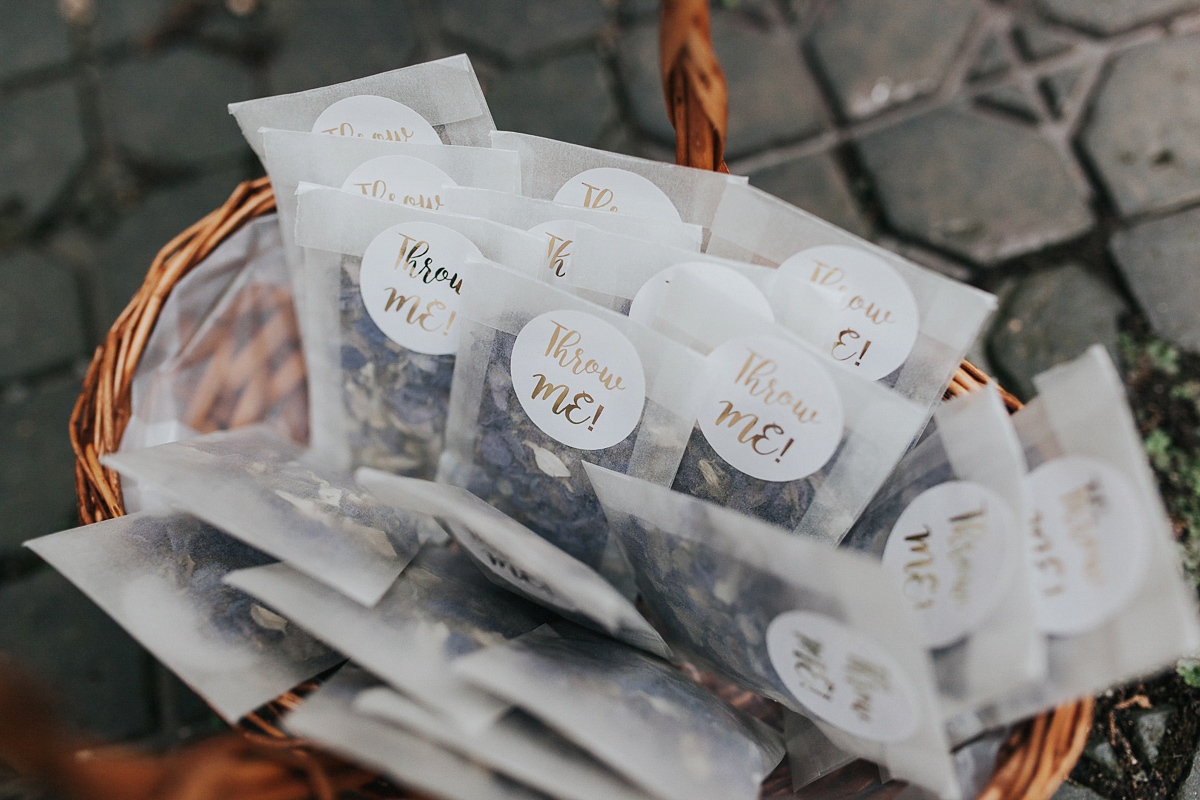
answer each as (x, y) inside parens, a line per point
(579, 419)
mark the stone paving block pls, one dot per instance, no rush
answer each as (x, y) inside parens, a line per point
(772, 98)
(94, 669)
(40, 315)
(331, 41)
(1013, 99)
(1111, 16)
(1142, 134)
(816, 184)
(33, 35)
(37, 472)
(124, 257)
(1037, 43)
(879, 53)
(1052, 317)
(567, 99)
(1161, 263)
(170, 106)
(520, 29)
(117, 21)
(982, 188)
(991, 60)
(41, 145)
(1073, 791)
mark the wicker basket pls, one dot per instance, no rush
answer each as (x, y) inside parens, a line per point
(1033, 763)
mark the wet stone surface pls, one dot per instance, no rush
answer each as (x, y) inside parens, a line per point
(520, 30)
(36, 295)
(1141, 137)
(878, 53)
(929, 172)
(567, 99)
(41, 146)
(1105, 17)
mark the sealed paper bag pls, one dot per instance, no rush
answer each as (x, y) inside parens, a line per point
(546, 381)
(160, 577)
(327, 717)
(824, 631)
(560, 224)
(634, 712)
(1108, 589)
(781, 434)
(517, 746)
(518, 559)
(386, 283)
(442, 607)
(950, 524)
(397, 172)
(889, 319)
(438, 102)
(254, 485)
(583, 176)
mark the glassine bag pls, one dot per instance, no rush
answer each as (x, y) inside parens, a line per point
(1108, 588)
(583, 176)
(823, 631)
(160, 577)
(950, 524)
(518, 559)
(257, 487)
(398, 172)
(437, 102)
(546, 381)
(385, 288)
(560, 224)
(780, 434)
(439, 609)
(878, 314)
(632, 711)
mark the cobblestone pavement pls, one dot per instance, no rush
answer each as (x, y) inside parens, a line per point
(1046, 150)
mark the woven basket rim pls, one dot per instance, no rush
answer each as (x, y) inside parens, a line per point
(1035, 760)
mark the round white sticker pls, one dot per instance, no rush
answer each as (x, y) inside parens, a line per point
(578, 378)
(955, 548)
(612, 189)
(1088, 549)
(410, 283)
(367, 116)
(733, 285)
(842, 676)
(875, 320)
(560, 239)
(399, 179)
(770, 409)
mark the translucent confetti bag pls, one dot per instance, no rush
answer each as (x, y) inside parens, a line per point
(517, 746)
(441, 608)
(1107, 584)
(636, 713)
(160, 577)
(560, 224)
(878, 314)
(518, 559)
(398, 172)
(950, 524)
(583, 176)
(229, 314)
(386, 283)
(256, 487)
(328, 718)
(437, 102)
(547, 380)
(780, 433)
(824, 631)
